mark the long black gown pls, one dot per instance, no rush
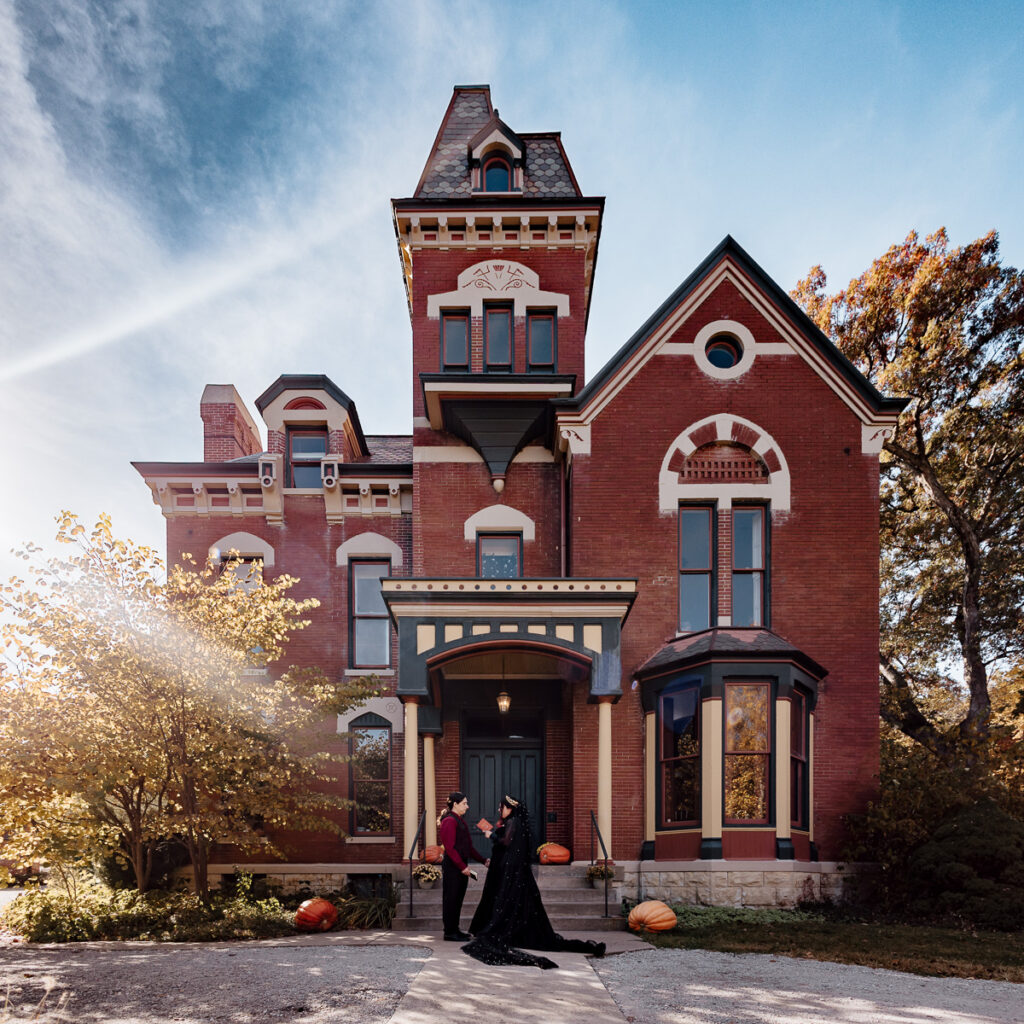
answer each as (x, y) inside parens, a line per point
(511, 913)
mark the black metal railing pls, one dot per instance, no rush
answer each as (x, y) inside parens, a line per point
(412, 853)
(594, 829)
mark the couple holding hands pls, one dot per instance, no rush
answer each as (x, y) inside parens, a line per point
(511, 913)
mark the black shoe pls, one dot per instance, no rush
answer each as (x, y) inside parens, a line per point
(457, 937)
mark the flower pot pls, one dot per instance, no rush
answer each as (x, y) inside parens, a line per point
(428, 884)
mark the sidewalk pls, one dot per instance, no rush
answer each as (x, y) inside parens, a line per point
(453, 987)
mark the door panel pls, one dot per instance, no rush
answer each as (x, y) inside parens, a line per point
(490, 774)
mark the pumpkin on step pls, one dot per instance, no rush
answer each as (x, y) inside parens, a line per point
(552, 853)
(316, 915)
(652, 916)
(433, 854)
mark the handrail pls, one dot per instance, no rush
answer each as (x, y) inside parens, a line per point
(412, 850)
(595, 828)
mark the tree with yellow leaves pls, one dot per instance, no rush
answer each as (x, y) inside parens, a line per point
(133, 710)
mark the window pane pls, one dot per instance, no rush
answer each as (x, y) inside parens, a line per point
(304, 475)
(371, 753)
(746, 599)
(373, 807)
(746, 787)
(496, 177)
(679, 724)
(499, 337)
(682, 790)
(796, 725)
(694, 538)
(542, 338)
(456, 341)
(499, 557)
(694, 601)
(796, 792)
(746, 718)
(309, 444)
(366, 581)
(747, 539)
(372, 637)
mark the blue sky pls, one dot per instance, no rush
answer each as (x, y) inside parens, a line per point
(197, 192)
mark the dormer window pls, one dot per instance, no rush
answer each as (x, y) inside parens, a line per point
(497, 174)
(305, 450)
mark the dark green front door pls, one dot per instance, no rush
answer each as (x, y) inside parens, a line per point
(491, 772)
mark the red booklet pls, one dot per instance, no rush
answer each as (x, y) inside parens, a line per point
(484, 825)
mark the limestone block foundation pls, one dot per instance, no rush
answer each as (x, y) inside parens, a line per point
(720, 883)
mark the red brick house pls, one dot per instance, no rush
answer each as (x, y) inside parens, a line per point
(651, 598)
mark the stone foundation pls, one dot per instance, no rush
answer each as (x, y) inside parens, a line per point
(291, 878)
(722, 883)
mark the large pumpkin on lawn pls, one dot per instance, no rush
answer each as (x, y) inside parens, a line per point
(316, 915)
(652, 916)
(552, 853)
(433, 854)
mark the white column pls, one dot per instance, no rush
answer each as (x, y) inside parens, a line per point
(604, 772)
(411, 816)
(650, 774)
(429, 792)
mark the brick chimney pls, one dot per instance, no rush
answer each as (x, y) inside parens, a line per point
(228, 430)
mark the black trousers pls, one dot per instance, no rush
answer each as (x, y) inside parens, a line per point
(453, 892)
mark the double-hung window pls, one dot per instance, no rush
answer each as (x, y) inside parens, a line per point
(455, 340)
(305, 450)
(499, 555)
(371, 775)
(679, 715)
(748, 752)
(798, 759)
(748, 566)
(696, 567)
(540, 340)
(369, 627)
(498, 326)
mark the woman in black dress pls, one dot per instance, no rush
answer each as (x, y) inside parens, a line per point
(511, 913)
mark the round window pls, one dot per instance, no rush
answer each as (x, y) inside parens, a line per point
(723, 351)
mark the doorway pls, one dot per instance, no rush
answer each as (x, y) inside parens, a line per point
(503, 754)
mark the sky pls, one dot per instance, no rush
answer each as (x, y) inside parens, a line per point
(198, 192)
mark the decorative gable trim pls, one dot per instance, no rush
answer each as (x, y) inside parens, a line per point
(674, 488)
(497, 279)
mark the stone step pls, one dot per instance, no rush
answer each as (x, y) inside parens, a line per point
(579, 908)
(562, 923)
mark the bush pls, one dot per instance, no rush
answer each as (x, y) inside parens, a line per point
(973, 869)
(94, 911)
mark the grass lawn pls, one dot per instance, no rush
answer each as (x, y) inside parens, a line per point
(942, 952)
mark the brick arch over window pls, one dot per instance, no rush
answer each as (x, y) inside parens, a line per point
(247, 545)
(369, 545)
(723, 458)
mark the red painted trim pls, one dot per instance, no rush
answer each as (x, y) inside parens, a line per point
(740, 844)
(680, 846)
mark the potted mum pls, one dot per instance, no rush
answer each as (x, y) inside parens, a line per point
(598, 873)
(426, 875)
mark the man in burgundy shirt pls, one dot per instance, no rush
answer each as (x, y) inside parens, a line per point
(458, 849)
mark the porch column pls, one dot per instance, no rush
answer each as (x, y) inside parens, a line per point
(650, 774)
(429, 792)
(604, 772)
(783, 741)
(411, 818)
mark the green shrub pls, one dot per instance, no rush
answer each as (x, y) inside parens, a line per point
(972, 868)
(94, 911)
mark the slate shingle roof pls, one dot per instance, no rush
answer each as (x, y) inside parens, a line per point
(727, 645)
(447, 174)
(389, 449)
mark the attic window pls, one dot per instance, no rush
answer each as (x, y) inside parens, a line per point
(497, 175)
(723, 351)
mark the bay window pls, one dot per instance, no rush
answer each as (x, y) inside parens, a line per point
(679, 769)
(747, 752)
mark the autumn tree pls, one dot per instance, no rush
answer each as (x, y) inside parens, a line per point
(943, 327)
(136, 709)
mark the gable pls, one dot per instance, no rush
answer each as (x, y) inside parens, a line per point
(688, 322)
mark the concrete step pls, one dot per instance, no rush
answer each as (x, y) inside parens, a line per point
(583, 908)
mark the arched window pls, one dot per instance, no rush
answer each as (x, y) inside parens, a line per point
(497, 175)
(371, 775)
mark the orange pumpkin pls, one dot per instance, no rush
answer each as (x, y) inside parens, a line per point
(652, 916)
(552, 853)
(433, 854)
(316, 915)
